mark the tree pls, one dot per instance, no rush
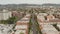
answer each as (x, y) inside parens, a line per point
(21, 33)
(12, 20)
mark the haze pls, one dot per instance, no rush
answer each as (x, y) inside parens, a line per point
(29, 1)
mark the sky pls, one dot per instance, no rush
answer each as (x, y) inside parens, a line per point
(29, 1)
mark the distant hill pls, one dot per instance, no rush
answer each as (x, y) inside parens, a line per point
(14, 6)
(48, 4)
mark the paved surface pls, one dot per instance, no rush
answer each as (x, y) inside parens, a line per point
(34, 29)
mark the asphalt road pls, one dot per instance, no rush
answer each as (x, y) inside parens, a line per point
(33, 26)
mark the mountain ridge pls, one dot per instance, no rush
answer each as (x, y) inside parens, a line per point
(24, 5)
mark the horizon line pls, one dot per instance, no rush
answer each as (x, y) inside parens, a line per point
(30, 3)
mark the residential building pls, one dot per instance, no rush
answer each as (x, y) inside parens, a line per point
(5, 14)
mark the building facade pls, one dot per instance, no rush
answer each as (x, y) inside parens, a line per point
(5, 14)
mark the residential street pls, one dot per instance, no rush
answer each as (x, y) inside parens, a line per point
(34, 29)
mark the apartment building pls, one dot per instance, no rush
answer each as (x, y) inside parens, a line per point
(45, 22)
(48, 29)
(5, 14)
(49, 18)
(18, 14)
(22, 26)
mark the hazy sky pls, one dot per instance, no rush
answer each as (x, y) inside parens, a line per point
(29, 1)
